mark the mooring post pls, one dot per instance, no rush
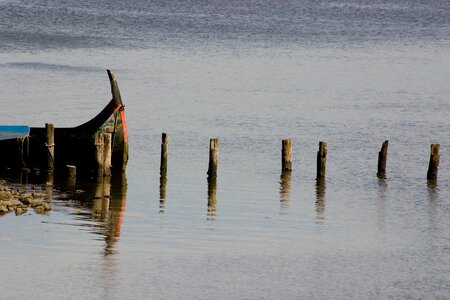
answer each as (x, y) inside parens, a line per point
(71, 176)
(50, 144)
(164, 155)
(286, 155)
(382, 156)
(321, 160)
(71, 171)
(107, 152)
(99, 153)
(434, 162)
(49, 187)
(103, 151)
(163, 172)
(213, 157)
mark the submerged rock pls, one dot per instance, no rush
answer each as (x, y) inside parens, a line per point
(5, 195)
(3, 209)
(20, 211)
(19, 201)
(47, 206)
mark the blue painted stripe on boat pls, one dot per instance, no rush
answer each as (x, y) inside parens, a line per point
(13, 131)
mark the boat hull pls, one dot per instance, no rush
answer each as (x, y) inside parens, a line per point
(73, 146)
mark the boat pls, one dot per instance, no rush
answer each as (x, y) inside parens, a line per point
(24, 147)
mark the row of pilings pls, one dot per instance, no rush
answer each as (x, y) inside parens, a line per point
(102, 143)
(286, 168)
(286, 158)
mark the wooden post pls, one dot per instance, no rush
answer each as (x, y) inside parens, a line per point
(213, 157)
(321, 160)
(434, 162)
(103, 150)
(99, 153)
(50, 144)
(71, 176)
(163, 173)
(382, 156)
(49, 187)
(164, 155)
(71, 171)
(286, 155)
(107, 151)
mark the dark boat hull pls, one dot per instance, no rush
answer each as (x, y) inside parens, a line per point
(73, 146)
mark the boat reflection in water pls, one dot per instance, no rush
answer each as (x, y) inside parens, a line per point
(101, 204)
(96, 203)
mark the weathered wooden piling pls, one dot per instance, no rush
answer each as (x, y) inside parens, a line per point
(103, 142)
(71, 171)
(286, 155)
(49, 186)
(71, 176)
(50, 144)
(107, 148)
(321, 160)
(382, 157)
(163, 172)
(99, 152)
(213, 156)
(164, 154)
(433, 166)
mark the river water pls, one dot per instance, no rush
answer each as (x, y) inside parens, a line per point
(251, 73)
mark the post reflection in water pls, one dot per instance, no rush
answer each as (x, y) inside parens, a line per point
(432, 188)
(320, 200)
(108, 206)
(285, 191)
(433, 195)
(162, 192)
(100, 206)
(117, 209)
(382, 187)
(212, 198)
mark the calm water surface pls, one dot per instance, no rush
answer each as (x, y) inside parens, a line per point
(352, 73)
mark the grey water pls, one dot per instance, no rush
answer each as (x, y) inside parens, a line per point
(251, 73)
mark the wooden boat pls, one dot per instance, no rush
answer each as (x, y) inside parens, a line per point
(26, 147)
